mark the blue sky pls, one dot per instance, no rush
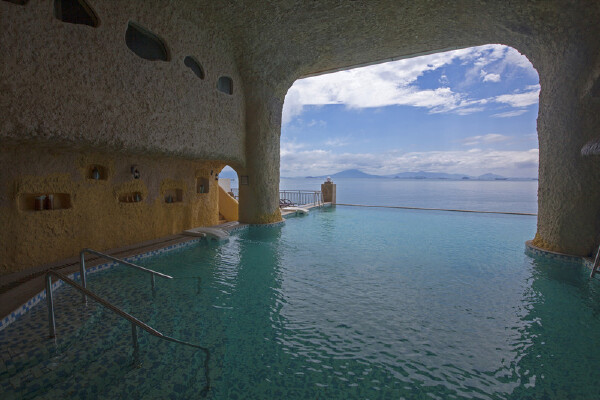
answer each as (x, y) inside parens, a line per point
(469, 111)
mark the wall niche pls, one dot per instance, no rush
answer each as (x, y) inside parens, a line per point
(173, 196)
(131, 197)
(145, 44)
(97, 172)
(202, 185)
(44, 201)
(19, 2)
(75, 12)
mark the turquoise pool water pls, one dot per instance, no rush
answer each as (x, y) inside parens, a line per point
(342, 303)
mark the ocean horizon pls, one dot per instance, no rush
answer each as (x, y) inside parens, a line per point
(502, 196)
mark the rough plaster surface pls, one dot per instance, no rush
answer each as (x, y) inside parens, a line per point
(96, 218)
(77, 85)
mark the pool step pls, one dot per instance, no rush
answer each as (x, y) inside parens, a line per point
(297, 210)
(209, 233)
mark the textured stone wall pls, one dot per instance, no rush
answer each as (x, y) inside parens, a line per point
(259, 199)
(228, 206)
(569, 117)
(78, 85)
(100, 215)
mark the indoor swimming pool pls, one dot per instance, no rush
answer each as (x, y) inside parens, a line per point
(342, 303)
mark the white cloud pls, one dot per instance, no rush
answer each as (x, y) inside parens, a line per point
(292, 106)
(484, 139)
(394, 83)
(509, 114)
(472, 162)
(287, 148)
(521, 99)
(316, 123)
(491, 77)
(514, 58)
(468, 110)
(337, 142)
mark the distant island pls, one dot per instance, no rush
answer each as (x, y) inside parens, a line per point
(355, 173)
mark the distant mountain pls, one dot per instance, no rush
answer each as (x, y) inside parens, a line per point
(428, 175)
(355, 173)
(349, 173)
(491, 177)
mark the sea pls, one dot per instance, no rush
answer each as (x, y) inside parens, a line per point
(503, 196)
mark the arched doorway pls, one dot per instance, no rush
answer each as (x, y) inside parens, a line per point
(228, 195)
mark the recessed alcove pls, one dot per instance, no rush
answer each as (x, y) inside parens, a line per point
(19, 2)
(202, 185)
(195, 66)
(96, 172)
(225, 85)
(131, 197)
(145, 44)
(60, 201)
(173, 196)
(75, 12)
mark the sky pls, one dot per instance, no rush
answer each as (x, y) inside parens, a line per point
(470, 111)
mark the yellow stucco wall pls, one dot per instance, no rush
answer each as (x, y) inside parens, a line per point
(98, 215)
(228, 206)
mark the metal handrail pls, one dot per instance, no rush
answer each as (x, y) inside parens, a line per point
(123, 262)
(301, 197)
(596, 264)
(134, 321)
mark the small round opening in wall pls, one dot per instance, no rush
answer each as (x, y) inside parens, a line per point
(145, 44)
(75, 12)
(194, 65)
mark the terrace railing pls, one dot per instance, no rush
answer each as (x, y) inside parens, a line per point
(302, 197)
(295, 197)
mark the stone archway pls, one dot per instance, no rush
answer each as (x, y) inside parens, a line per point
(560, 43)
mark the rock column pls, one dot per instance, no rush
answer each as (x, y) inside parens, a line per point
(259, 180)
(569, 117)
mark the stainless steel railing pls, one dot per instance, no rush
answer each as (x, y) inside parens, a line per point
(123, 262)
(295, 197)
(302, 197)
(134, 321)
(596, 264)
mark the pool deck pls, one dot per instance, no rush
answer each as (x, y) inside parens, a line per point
(308, 206)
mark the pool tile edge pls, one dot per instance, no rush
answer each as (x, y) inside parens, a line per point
(537, 251)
